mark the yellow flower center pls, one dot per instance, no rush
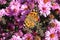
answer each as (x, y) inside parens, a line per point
(51, 16)
(53, 24)
(28, 38)
(52, 35)
(45, 1)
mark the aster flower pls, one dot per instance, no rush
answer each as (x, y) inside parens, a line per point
(44, 7)
(8, 11)
(16, 38)
(58, 28)
(15, 7)
(3, 1)
(2, 12)
(44, 10)
(55, 6)
(28, 36)
(12, 9)
(51, 35)
(55, 23)
(19, 33)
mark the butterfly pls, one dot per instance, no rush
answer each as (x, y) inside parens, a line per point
(31, 19)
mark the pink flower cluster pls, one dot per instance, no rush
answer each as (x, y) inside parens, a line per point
(27, 36)
(14, 8)
(15, 20)
(46, 5)
(53, 33)
(3, 1)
